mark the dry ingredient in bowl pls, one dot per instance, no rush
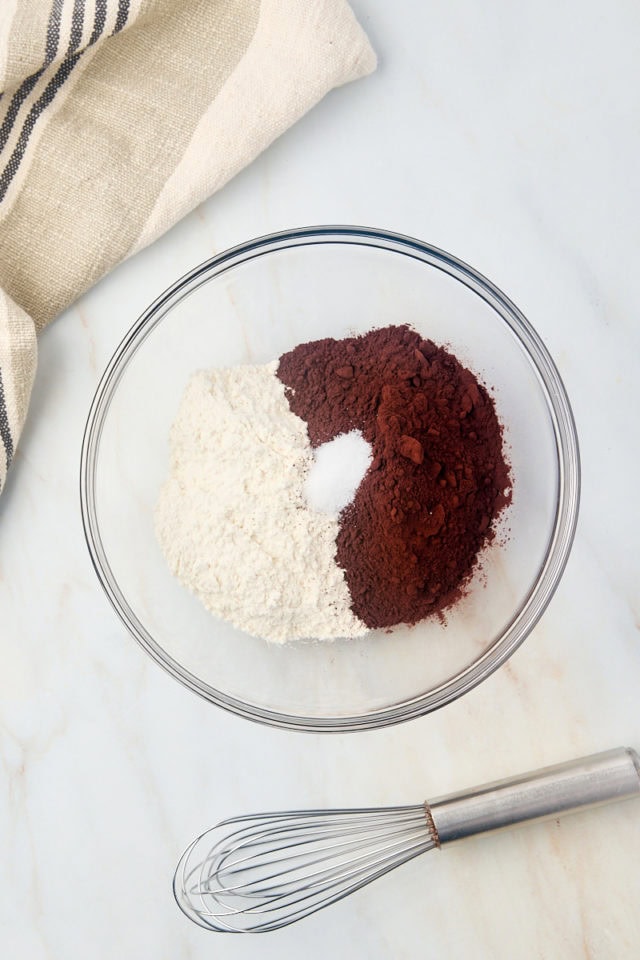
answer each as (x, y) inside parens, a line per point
(243, 524)
(232, 518)
(409, 540)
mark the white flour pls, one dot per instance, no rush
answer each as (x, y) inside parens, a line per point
(232, 518)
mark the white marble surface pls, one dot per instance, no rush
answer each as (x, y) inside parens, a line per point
(509, 136)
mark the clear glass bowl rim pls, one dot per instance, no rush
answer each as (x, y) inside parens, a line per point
(567, 451)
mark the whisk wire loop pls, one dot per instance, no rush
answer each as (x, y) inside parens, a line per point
(269, 872)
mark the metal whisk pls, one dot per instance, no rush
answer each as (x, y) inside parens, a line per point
(262, 872)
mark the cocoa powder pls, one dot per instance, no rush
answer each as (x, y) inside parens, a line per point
(409, 540)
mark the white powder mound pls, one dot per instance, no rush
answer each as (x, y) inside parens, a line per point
(232, 518)
(338, 467)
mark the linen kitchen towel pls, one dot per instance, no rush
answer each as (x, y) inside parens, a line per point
(117, 117)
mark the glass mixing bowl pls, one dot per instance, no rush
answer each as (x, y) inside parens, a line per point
(250, 305)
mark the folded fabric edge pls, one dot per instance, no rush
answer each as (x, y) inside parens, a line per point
(18, 361)
(322, 45)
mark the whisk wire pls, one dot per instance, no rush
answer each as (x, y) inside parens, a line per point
(271, 872)
(305, 902)
(222, 852)
(292, 867)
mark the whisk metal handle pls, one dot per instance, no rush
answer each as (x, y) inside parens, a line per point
(546, 793)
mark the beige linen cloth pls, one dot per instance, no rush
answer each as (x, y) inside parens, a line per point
(117, 117)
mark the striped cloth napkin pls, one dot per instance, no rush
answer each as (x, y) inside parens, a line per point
(117, 117)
